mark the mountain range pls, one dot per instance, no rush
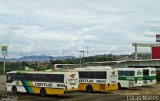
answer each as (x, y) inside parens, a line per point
(38, 58)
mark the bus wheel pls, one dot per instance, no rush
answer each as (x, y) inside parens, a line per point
(89, 89)
(14, 90)
(119, 86)
(43, 92)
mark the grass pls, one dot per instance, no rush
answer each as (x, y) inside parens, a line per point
(1, 69)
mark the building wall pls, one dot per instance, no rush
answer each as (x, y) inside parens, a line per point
(156, 52)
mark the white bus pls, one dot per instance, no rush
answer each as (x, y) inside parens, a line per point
(129, 77)
(97, 78)
(42, 82)
(149, 76)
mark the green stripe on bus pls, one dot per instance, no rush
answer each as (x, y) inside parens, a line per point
(138, 78)
(24, 84)
(129, 78)
(28, 86)
(149, 77)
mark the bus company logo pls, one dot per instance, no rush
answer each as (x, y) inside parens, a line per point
(17, 83)
(101, 81)
(43, 84)
(139, 72)
(72, 75)
(114, 73)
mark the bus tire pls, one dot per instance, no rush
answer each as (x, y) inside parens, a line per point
(14, 90)
(119, 86)
(43, 92)
(89, 89)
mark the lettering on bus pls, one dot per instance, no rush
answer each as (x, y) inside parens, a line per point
(43, 84)
(130, 78)
(72, 83)
(86, 80)
(72, 79)
(113, 81)
(60, 85)
(101, 81)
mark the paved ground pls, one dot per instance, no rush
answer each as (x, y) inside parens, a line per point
(120, 95)
(2, 83)
(72, 97)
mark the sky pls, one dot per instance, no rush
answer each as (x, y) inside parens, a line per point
(65, 27)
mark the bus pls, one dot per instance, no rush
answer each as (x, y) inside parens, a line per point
(42, 82)
(129, 77)
(97, 79)
(149, 76)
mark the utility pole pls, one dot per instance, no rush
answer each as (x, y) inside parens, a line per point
(21, 60)
(80, 61)
(4, 65)
(87, 51)
(4, 53)
(83, 56)
(135, 51)
(63, 56)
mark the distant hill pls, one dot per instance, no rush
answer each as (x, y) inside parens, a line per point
(38, 58)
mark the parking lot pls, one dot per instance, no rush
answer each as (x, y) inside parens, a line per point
(120, 95)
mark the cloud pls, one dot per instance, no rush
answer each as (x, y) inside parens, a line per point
(51, 27)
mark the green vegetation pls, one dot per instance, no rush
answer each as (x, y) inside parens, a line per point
(10, 66)
(37, 65)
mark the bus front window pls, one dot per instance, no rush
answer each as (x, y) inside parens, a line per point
(10, 77)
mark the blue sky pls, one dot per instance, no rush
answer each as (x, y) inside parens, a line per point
(49, 27)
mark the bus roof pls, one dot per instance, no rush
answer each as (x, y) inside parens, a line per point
(42, 72)
(95, 68)
(128, 68)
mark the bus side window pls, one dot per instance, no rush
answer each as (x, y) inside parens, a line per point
(121, 73)
(40, 77)
(100, 75)
(81, 74)
(58, 78)
(48, 78)
(146, 72)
